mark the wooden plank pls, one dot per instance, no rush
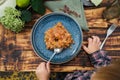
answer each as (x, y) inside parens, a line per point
(65, 68)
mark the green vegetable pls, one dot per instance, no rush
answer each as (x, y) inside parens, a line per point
(26, 16)
(34, 5)
(12, 20)
(38, 6)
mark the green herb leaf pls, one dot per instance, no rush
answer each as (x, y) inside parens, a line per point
(26, 16)
(96, 2)
(38, 6)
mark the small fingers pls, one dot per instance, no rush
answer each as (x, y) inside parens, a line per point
(42, 66)
(39, 68)
(90, 40)
(48, 66)
(94, 39)
(98, 39)
(85, 48)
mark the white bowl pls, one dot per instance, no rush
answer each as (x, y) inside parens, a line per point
(6, 3)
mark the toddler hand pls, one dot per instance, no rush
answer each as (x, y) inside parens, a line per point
(93, 44)
(43, 71)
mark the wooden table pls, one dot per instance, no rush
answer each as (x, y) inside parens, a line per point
(16, 51)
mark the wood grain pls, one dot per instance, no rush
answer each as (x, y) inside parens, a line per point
(16, 51)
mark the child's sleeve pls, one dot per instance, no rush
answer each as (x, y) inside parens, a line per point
(99, 58)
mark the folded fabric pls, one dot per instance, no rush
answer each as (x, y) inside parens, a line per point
(72, 7)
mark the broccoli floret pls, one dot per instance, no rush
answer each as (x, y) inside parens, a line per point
(11, 20)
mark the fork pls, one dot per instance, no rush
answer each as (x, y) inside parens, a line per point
(56, 51)
(109, 32)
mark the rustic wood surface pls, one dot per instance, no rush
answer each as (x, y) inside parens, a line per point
(16, 51)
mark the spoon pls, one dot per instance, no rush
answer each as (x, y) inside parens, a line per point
(56, 51)
(109, 31)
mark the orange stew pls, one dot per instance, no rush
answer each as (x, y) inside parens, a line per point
(57, 37)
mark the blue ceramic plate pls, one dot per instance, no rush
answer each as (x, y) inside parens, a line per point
(48, 21)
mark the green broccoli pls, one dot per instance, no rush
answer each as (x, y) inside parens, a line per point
(11, 20)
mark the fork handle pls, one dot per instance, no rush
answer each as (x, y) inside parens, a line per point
(52, 56)
(101, 46)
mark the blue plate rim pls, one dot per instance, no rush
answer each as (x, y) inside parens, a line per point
(49, 14)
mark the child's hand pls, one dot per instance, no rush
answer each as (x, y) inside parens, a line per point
(43, 71)
(93, 44)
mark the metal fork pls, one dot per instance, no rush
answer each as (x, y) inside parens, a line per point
(109, 32)
(56, 51)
